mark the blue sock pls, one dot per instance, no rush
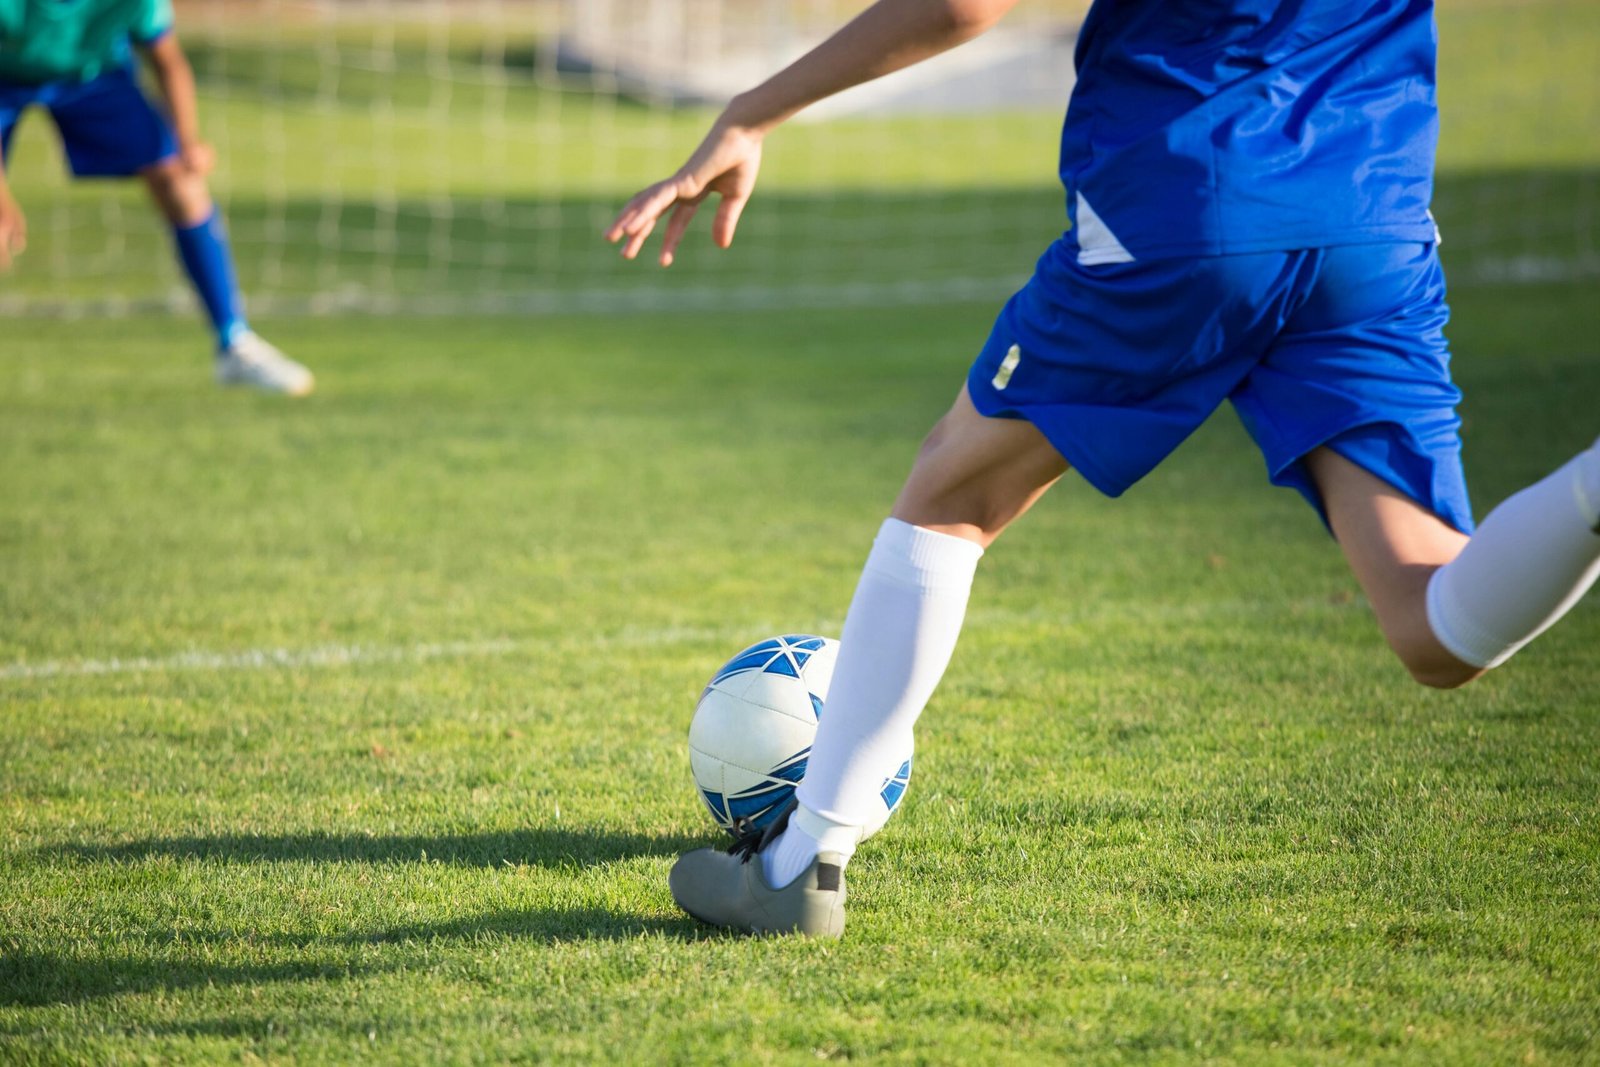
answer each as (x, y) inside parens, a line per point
(203, 248)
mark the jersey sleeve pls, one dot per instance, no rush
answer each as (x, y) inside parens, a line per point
(152, 21)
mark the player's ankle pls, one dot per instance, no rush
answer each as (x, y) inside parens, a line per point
(807, 835)
(829, 834)
(228, 334)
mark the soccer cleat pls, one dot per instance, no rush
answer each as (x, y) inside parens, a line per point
(728, 889)
(250, 360)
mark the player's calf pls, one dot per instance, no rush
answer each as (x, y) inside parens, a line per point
(1419, 650)
(1453, 607)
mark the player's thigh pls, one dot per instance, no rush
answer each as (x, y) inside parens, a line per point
(1393, 544)
(975, 474)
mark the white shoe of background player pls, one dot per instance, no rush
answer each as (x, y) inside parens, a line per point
(250, 360)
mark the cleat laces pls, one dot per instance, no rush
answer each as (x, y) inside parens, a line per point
(752, 841)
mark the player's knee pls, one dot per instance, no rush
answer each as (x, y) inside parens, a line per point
(181, 195)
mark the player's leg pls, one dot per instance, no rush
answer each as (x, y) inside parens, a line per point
(1394, 545)
(1452, 607)
(110, 130)
(973, 476)
(184, 201)
(243, 356)
(1354, 407)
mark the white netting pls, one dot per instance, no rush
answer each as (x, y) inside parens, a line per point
(441, 156)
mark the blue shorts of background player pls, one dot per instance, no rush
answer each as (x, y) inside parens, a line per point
(1340, 347)
(108, 128)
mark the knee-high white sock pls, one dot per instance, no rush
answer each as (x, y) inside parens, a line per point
(1531, 560)
(897, 641)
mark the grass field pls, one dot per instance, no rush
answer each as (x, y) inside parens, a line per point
(355, 728)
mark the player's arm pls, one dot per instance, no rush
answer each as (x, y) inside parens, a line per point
(13, 225)
(889, 35)
(176, 78)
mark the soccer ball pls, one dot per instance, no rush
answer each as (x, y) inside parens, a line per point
(752, 732)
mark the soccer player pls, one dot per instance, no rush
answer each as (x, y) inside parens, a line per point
(1248, 185)
(74, 58)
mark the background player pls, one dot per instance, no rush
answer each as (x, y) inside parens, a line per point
(1248, 183)
(75, 59)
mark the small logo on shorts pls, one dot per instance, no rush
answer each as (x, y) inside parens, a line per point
(1002, 377)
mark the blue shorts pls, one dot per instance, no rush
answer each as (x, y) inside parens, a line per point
(107, 126)
(1118, 363)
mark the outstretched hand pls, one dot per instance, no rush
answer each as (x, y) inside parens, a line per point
(726, 163)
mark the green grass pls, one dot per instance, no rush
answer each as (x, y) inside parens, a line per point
(1174, 803)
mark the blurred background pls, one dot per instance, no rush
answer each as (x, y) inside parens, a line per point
(448, 157)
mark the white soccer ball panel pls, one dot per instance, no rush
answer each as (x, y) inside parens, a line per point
(818, 670)
(778, 694)
(749, 736)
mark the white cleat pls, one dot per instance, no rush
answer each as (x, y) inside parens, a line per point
(252, 361)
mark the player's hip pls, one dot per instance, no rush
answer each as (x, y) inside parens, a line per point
(1174, 316)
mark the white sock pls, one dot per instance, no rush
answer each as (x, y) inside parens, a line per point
(1531, 560)
(806, 835)
(897, 641)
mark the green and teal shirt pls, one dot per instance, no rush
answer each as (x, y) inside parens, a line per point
(74, 40)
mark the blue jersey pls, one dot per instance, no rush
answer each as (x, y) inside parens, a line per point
(1211, 127)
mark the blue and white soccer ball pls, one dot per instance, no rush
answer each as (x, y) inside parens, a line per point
(752, 732)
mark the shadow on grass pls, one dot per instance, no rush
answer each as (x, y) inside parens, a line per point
(529, 924)
(507, 848)
(35, 979)
(170, 961)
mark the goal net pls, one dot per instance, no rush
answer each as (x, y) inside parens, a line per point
(464, 155)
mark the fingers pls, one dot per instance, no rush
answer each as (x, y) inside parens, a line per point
(727, 219)
(676, 226)
(639, 216)
(637, 238)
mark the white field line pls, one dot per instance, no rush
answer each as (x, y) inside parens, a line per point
(1496, 270)
(323, 656)
(266, 659)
